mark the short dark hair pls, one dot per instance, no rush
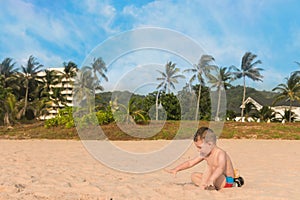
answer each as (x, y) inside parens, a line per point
(206, 134)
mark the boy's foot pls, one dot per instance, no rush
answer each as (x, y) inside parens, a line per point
(239, 181)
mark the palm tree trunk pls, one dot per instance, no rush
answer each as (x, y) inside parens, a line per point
(244, 96)
(26, 100)
(156, 106)
(198, 102)
(219, 102)
(6, 119)
(290, 114)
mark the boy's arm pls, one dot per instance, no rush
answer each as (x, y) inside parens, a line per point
(185, 165)
(221, 164)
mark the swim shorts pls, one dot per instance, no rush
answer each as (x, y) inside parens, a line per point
(229, 182)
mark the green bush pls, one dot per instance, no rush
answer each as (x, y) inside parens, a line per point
(104, 117)
(63, 118)
(51, 122)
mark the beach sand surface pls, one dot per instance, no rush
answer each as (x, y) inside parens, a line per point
(63, 169)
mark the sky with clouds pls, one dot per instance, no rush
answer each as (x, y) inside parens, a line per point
(57, 31)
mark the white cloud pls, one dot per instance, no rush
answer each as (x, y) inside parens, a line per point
(225, 29)
(53, 35)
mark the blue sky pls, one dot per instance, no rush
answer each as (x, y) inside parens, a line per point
(57, 31)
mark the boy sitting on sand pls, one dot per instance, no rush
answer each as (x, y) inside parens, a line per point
(219, 173)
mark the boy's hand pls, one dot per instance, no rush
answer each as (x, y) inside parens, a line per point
(210, 187)
(171, 171)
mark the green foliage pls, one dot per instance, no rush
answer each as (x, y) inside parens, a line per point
(104, 117)
(288, 115)
(171, 105)
(230, 115)
(86, 120)
(63, 118)
(265, 114)
(205, 103)
(28, 94)
(51, 122)
(188, 102)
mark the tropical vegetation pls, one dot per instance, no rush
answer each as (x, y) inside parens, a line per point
(30, 92)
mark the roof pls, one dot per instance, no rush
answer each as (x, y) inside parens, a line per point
(269, 102)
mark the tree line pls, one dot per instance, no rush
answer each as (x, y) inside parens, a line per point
(25, 96)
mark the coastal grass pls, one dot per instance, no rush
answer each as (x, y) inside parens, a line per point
(170, 130)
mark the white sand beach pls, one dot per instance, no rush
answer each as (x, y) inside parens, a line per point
(63, 169)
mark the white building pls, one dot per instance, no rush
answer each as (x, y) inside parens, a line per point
(278, 108)
(67, 91)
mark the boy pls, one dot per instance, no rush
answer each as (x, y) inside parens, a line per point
(219, 173)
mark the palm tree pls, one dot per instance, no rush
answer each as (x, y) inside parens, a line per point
(127, 113)
(169, 77)
(265, 114)
(7, 104)
(84, 88)
(168, 80)
(287, 114)
(200, 70)
(10, 109)
(249, 70)
(289, 91)
(7, 71)
(29, 73)
(220, 81)
(69, 72)
(99, 68)
(48, 81)
(56, 98)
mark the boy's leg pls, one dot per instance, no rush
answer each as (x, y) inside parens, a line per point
(197, 178)
(220, 182)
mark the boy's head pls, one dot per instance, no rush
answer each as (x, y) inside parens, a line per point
(205, 140)
(206, 135)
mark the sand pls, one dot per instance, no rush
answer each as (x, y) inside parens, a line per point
(61, 169)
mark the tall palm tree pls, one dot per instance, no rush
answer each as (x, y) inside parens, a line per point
(29, 73)
(289, 91)
(220, 81)
(249, 70)
(10, 108)
(48, 81)
(69, 72)
(168, 80)
(169, 77)
(56, 98)
(84, 88)
(200, 71)
(99, 68)
(66, 78)
(8, 71)
(8, 103)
